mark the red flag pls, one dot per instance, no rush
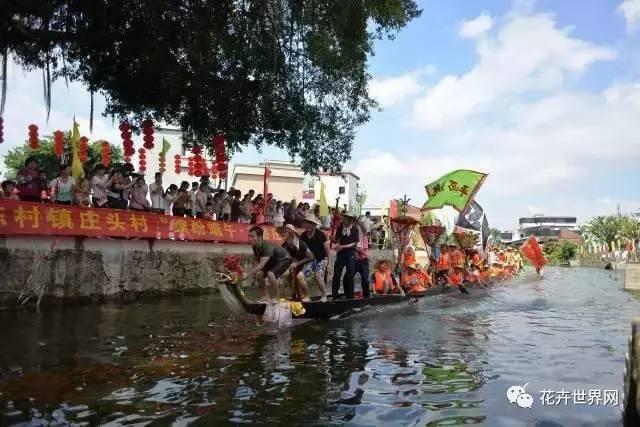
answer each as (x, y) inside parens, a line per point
(532, 250)
(265, 189)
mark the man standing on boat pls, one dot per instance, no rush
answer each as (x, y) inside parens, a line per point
(318, 244)
(269, 263)
(346, 240)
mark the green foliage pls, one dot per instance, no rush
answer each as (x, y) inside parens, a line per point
(287, 73)
(47, 160)
(606, 229)
(428, 218)
(495, 234)
(630, 228)
(603, 229)
(560, 252)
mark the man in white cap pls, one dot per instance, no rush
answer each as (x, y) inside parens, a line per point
(318, 244)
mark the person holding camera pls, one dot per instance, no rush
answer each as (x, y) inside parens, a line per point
(119, 188)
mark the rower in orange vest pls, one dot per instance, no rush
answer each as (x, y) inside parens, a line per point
(409, 256)
(383, 282)
(443, 261)
(456, 276)
(414, 280)
(455, 256)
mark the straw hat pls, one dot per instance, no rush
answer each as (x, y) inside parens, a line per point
(312, 219)
(287, 228)
(349, 214)
(414, 266)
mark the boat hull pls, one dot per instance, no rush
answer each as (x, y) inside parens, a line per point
(316, 309)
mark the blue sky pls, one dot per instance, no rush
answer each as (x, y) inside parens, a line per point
(542, 95)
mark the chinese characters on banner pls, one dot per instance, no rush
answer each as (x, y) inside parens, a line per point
(21, 218)
(455, 189)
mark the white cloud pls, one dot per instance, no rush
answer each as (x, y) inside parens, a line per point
(476, 27)
(390, 92)
(630, 9)
(529, 54)
(25, 105)
(534, 150)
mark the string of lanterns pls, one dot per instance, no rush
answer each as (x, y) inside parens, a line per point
(142, 159)
(178, 165)
(34, 141)
(221, 156)
(58, 143)
(105, 153)
(83, 149)
(148, 130)
(127, 142)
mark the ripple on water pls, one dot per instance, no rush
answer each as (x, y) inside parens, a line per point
(436, 363)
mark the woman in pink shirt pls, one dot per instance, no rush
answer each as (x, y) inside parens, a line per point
(139, 200)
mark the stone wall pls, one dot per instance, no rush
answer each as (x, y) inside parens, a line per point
(97, 270)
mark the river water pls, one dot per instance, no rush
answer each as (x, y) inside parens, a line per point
(187, 361)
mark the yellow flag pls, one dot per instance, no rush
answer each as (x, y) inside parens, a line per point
(77, 171)
(324, 206)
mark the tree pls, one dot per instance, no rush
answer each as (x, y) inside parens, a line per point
(495, 234)
(560, 252)
(630, 228)
(288, 73)
(47, 160)
(603, 229)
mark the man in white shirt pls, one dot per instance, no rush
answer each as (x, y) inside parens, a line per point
(192, 199)
(367, 223)
(157, 194)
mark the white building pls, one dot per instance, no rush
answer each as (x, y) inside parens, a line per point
(285, 181)
(344, 187)
(540, 226)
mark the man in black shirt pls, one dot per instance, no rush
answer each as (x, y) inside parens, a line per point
(346, 239)
(236, 205)
(269, 262)
(318, 244)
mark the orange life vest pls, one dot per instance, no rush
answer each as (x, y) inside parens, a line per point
(380, 278)
(456, 278)
(443, 262)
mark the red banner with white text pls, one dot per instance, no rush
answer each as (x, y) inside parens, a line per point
(22, 218)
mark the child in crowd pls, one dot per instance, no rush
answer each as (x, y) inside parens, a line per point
(9, 190)
(139, 200)
(83, 194)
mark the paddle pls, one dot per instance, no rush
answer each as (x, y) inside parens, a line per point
(463, 289)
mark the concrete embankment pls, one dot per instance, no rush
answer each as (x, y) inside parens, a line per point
(66, 269)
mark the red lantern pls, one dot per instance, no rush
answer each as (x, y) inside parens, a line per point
(127, 143)
(142, 162)
(223, 175)
(222, 167)
(1, 130)
(177, 157)
(34, 141)
(178, 170)
(83, 149)
(148, 130)
(196, 150)
(58, 143)
(106, 153)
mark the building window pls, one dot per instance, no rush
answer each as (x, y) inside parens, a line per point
(340, 190)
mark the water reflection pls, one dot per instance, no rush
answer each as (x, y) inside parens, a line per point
(183, 361)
